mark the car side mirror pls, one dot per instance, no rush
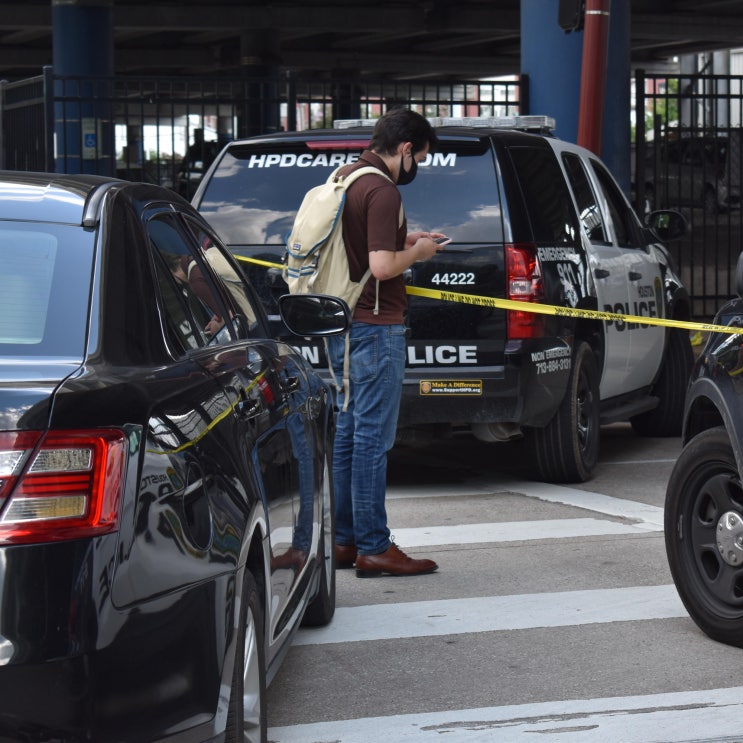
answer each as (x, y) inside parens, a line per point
(314, 314)
(666, 224)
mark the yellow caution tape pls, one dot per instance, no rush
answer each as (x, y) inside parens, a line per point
(545, 309)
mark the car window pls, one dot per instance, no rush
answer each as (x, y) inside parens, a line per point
(236, 292)
(588, 208)
(456, 192)
(622, 217)
(546, 195)
(253, 195)
(44, 289)
(194, 312)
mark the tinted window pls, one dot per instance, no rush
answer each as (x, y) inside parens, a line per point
(194, 312)
(546, 195)
(588, 208)
(622, 217)
(254, 194)
(236, 292)
(456, 192)
(44, 289)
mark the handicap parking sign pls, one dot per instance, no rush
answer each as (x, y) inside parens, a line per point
(90, 138)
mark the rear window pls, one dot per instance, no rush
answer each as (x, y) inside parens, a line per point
(254, 194)
(44, 290)
(546, 195)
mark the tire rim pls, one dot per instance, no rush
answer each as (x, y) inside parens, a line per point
(251, 685)
(715, 532)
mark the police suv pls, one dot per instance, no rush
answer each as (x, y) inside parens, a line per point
(532, 219)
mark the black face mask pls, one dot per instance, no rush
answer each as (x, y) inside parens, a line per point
(406, 176)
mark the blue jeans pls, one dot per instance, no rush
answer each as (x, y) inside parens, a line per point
(366, 432)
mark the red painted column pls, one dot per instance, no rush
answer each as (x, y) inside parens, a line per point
(593, 74)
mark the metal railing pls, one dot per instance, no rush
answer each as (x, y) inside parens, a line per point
(688, 156)
(167, 130)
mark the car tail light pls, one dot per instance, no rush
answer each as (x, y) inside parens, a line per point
(60, 484)
(524, 283)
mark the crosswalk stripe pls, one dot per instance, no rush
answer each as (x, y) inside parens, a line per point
(512, 531)
(654, 718)
(495, 613)
(641, 513)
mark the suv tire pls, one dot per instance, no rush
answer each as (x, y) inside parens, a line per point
(704, 507)
(666, 419)
(567, 448)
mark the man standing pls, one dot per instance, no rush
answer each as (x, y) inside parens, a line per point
(375, 234)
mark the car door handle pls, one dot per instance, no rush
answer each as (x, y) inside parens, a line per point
(247, 408)
(290, 384)
(601, 273)
(634, 276)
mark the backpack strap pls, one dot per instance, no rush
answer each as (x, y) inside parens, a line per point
(347, 180)
(346, 383)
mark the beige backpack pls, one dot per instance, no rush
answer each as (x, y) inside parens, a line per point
(316, 261)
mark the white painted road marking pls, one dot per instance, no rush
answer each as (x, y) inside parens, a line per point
(642, 513)
(655, 718)
(495, 614)
(512, 531)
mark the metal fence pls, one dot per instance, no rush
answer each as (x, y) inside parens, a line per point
(687, 138)
(167, 130)
(688, 156)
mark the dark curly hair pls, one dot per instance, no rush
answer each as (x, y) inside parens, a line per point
(402, 125)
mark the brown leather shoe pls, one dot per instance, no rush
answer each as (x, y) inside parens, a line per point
(345, 556)
(393, 562)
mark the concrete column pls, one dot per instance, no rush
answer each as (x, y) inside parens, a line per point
(552, 59)
(82, 59)
(259, 58)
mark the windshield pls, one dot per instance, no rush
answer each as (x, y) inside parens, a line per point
(44, 289)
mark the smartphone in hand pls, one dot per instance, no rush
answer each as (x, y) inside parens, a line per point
(442, 240)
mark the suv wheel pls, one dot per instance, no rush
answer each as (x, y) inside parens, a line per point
(566, 449)
(667, 418)
(704, 535)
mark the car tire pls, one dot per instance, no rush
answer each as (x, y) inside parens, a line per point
(704, 508)
(670, 388)
(246, 715)
(322, 607)
(566, 449)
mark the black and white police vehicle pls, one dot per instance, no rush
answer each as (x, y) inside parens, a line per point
(532, 219)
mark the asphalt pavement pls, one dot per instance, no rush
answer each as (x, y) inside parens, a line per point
(552, 617)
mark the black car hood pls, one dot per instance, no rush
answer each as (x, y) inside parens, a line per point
(27, 391)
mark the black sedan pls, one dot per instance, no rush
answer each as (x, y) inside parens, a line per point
(166, 518)
(704, 498)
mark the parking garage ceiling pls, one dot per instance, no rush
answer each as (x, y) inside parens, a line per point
(407, 39)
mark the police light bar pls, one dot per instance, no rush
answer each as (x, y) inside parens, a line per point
(525, 123)
(351, 123)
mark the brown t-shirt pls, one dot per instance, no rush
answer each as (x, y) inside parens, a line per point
(371, 221)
